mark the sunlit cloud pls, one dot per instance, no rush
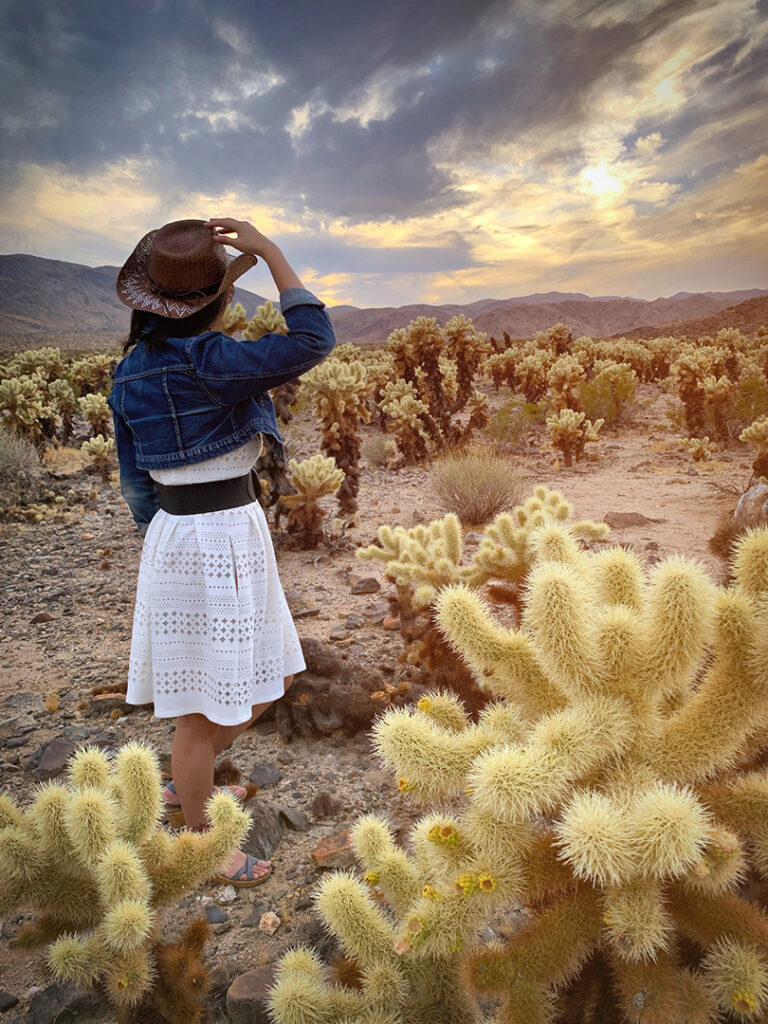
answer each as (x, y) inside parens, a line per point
(401, 156)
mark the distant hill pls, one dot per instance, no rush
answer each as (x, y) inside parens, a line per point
(52, 302)
(521, 318)
(746, 316)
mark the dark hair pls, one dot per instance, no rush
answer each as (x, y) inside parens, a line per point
(153, 329)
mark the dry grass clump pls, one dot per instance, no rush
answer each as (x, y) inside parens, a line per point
(20, 469)
(476, 485)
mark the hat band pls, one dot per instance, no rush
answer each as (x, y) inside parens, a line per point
(182, 293)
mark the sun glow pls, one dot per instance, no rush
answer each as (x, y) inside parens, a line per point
(600, 180)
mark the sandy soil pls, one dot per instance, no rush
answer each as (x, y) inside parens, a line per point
(80, 568)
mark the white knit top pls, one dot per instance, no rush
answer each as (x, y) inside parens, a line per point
(222, 467)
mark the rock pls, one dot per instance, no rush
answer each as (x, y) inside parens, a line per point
(355, 621)
(306, 610)
(266, 830)
(334, 851)
(104, 702)
(339, 633)
(377, 611)
(8, 1001)
(391, 622)
(23, 700)
(325, 806)
(752, 507)
(53, 758)
(66, 1004)
(215, 914)
(651, 546)
(622, 520)
(248, 995)
(252, 921)
(294, 819)
(41, 617)
(16, 741)
(265, 774)
(269, 922)
(226, 894)
(368, 585)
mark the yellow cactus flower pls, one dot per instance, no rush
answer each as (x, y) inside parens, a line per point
(425, 704)
(405, 786)
(466, 884)
(744, 1002)
(429, 892)
(486, 882)
(371, 878)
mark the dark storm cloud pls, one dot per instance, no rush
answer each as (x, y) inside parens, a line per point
(205, 92)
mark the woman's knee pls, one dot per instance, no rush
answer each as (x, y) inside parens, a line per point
(287, 682)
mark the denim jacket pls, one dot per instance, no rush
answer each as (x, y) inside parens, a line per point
(190, 399)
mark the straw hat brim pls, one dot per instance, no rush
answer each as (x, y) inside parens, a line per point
(135, 289)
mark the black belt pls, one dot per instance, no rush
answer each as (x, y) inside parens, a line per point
(214, 496)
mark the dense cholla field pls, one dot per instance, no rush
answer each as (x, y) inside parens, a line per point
(523, 779)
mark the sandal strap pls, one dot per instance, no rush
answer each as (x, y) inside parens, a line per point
(246, 869)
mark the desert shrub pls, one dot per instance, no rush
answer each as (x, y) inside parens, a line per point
(609, 393)
(377, 450)
(475, 485)
(512, 421)
(20, 469)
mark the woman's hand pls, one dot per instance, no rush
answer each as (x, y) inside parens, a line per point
(247, 238)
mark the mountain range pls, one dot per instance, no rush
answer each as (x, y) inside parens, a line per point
(53, 302)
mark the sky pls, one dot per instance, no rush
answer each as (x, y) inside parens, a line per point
(401, 151)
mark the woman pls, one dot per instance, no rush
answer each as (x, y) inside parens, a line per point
(213, 641)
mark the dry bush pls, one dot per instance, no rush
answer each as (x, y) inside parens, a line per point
(20, 469)
(375, 450)
(476, 485)
(514, 419)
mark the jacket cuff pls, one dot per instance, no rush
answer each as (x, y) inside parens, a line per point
(299, 297)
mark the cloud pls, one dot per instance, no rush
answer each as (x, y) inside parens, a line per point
(392, 147)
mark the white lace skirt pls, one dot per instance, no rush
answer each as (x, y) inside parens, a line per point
(212, 633)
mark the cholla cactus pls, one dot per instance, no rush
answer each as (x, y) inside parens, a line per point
(96, 411)
(571, 431)
(234, 319)
(266, 320)
(92, 373)
(757, 434)
(467, 347)
(64, 402)
(435, 367)
(689, 370)
(531, 375)
(338, 391)
(423, 560)
(314, 478)
(21, 406)
(564, 377)
(718, 394)
(46, 363)
(701, 448)
(90, 856)
(586, 791)
(101, 452)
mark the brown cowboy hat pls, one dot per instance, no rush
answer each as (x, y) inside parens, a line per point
(177, 269)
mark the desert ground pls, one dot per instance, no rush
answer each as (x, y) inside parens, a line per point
(67, 604)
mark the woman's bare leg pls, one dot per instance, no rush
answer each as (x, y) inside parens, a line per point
(192, 759)
(226, 734)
